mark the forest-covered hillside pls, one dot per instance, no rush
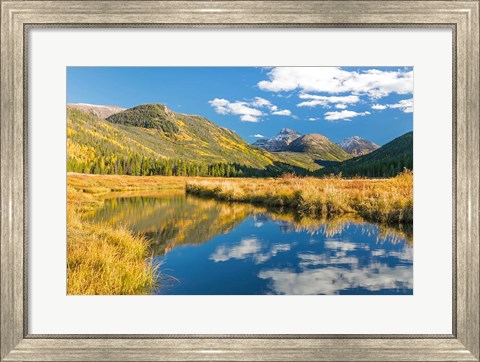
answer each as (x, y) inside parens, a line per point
(152, 140)
(387, 161)
(165, 143)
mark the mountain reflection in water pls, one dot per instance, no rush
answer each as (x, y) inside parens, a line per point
(208, 247)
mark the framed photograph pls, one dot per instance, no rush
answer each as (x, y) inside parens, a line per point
(245, 180)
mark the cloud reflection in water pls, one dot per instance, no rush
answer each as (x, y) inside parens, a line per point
(247, 248)
(343, 264)
(339, 268)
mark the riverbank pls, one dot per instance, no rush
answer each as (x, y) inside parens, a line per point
(103, 259)
(379, 200)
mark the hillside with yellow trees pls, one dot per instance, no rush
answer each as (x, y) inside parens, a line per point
(152, 140)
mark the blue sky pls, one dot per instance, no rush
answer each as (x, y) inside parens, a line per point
(375, 103)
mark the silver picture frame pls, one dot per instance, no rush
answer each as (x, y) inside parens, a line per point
(17, 17)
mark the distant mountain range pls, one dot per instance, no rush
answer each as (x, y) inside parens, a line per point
(316, 146)
(152, 139)
(357, 146)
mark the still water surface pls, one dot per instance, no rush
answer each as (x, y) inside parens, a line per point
(209, 247)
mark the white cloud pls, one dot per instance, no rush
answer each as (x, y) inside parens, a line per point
(261, 102)
(379, 107)
(248, 111)
(343, 115)
(249, 118)
(284, 112)
(318, 79)
(313, 119)
(324, 101)
(242, 109)
(258, 136)
(374, 83)
(405, 105)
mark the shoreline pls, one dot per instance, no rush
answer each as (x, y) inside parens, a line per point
(385, 201)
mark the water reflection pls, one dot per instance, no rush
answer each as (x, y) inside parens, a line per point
(248, 247)
(170, 218)
(208, 247)
(333, 280)
(347, 268)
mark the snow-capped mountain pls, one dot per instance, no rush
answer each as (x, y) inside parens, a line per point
(280, 142)
(357, 146)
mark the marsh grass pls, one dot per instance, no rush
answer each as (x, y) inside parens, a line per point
(103, 259)
(98, 184)
(379, 200)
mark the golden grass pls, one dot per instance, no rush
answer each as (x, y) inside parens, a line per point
(380, 200)
(95, 184)
(106, 260)
(103, 259)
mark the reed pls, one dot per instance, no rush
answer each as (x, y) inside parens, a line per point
(96, 184)
(103, 259)
(106, 260)
(379, 200)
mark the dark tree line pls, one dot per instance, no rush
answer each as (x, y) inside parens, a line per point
(379, 168)
(137, 165)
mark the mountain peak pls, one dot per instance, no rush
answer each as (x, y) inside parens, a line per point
(319, 147)
(280, 142)
(154, 115)
(153, 106)
(287, 130)
(357, 146)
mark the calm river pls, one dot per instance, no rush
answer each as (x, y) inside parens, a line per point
(208, 247)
